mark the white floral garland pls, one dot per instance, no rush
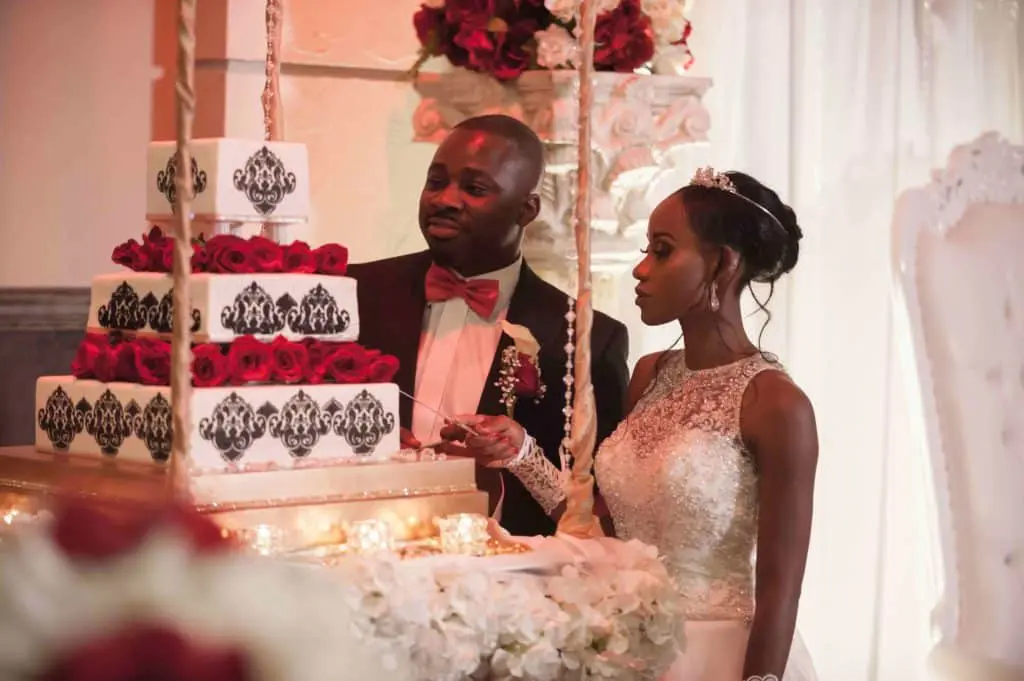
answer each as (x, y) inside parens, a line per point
(616, 618)
(613, 618)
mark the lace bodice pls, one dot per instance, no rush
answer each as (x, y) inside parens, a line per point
(676, 475)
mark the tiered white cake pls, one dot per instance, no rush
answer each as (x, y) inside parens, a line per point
(279, 381)
(234, 180)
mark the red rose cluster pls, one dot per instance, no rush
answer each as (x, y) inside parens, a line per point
(242, 362)
(229, 254)
(496, 37)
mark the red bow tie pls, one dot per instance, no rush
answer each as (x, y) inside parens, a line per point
(481, 295)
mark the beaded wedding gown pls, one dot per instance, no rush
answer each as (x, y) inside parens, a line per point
(675, 475)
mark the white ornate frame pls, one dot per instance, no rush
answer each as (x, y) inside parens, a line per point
(987, 170)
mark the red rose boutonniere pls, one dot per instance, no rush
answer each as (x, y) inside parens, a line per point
(520, 371)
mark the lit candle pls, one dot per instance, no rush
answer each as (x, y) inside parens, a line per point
(370, 536)
(463, 533)
(10, 516)
(266, 539)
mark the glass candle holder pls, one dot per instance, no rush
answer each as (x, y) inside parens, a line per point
(370, 536)
(463, 533)
(265, 539)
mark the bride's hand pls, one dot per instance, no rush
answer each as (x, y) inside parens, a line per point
(497, 439)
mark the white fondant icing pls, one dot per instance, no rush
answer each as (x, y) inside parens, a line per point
(232, 427)
(233, 178)
(230, 305)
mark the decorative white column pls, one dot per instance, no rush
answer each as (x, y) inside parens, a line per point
(641, 125)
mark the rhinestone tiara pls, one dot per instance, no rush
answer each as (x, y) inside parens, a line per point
(707, 177)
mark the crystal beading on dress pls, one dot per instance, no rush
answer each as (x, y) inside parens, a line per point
(681, 445)
(543, 479)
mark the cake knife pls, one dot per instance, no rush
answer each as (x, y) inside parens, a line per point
(447, 419)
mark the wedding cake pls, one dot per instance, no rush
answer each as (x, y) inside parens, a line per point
(284, 398)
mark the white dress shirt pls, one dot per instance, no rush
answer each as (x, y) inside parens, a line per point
(456, 351)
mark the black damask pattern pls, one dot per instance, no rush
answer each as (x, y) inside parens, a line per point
(255, 312)
(109, 422)
(299, 425)
(160, 315)
(233, 427)
(318, 314)
(61, 419)
(265, 181)
(364, 422)
(153, 427)
(166, 182)
(125, 311)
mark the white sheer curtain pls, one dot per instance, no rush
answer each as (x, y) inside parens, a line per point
(839, 106)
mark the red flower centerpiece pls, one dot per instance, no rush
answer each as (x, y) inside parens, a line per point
(504, 38)
(230, 254)
(245, 361)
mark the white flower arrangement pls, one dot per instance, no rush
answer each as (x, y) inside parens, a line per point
(614, 617)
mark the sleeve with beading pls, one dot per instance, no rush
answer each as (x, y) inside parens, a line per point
(542, 479)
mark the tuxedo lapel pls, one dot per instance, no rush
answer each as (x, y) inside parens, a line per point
(528, 307)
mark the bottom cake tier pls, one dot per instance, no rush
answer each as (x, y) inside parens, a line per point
(238, 428)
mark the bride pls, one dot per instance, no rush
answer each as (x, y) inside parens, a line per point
(715, 462)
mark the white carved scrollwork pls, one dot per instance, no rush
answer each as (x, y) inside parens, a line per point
(639, 122)
(957, 254)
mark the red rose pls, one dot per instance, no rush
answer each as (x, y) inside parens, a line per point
(624, 40)
(123, 359)
(88, 355)
(148, 652)
(85, 531)
(159, 251)
(527, 377)
(152, 361)
(331, 259)
(317, 351)
(200, 259)
(249, 361)
(347, 364)
(429, 23)
(209, 365)
(291, 361)
(501, 53)
(130, 255)
(267, 255)
(229, 254)
(382, 369)
(104, 366)
(299, 258)
(469, 11)
(164, 255)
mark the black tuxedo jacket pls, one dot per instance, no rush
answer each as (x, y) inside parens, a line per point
(392, 303)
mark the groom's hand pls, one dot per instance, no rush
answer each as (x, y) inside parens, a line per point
(494, 440)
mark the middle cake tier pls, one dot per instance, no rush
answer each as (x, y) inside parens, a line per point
(226, 306)
(251, 427)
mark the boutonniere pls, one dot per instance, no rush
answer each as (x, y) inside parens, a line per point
(520, 371)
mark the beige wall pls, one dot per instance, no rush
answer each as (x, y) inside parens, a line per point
(74, 121)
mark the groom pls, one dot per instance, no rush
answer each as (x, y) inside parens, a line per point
(440, 311)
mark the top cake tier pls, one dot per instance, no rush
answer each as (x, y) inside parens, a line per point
(234, 180)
